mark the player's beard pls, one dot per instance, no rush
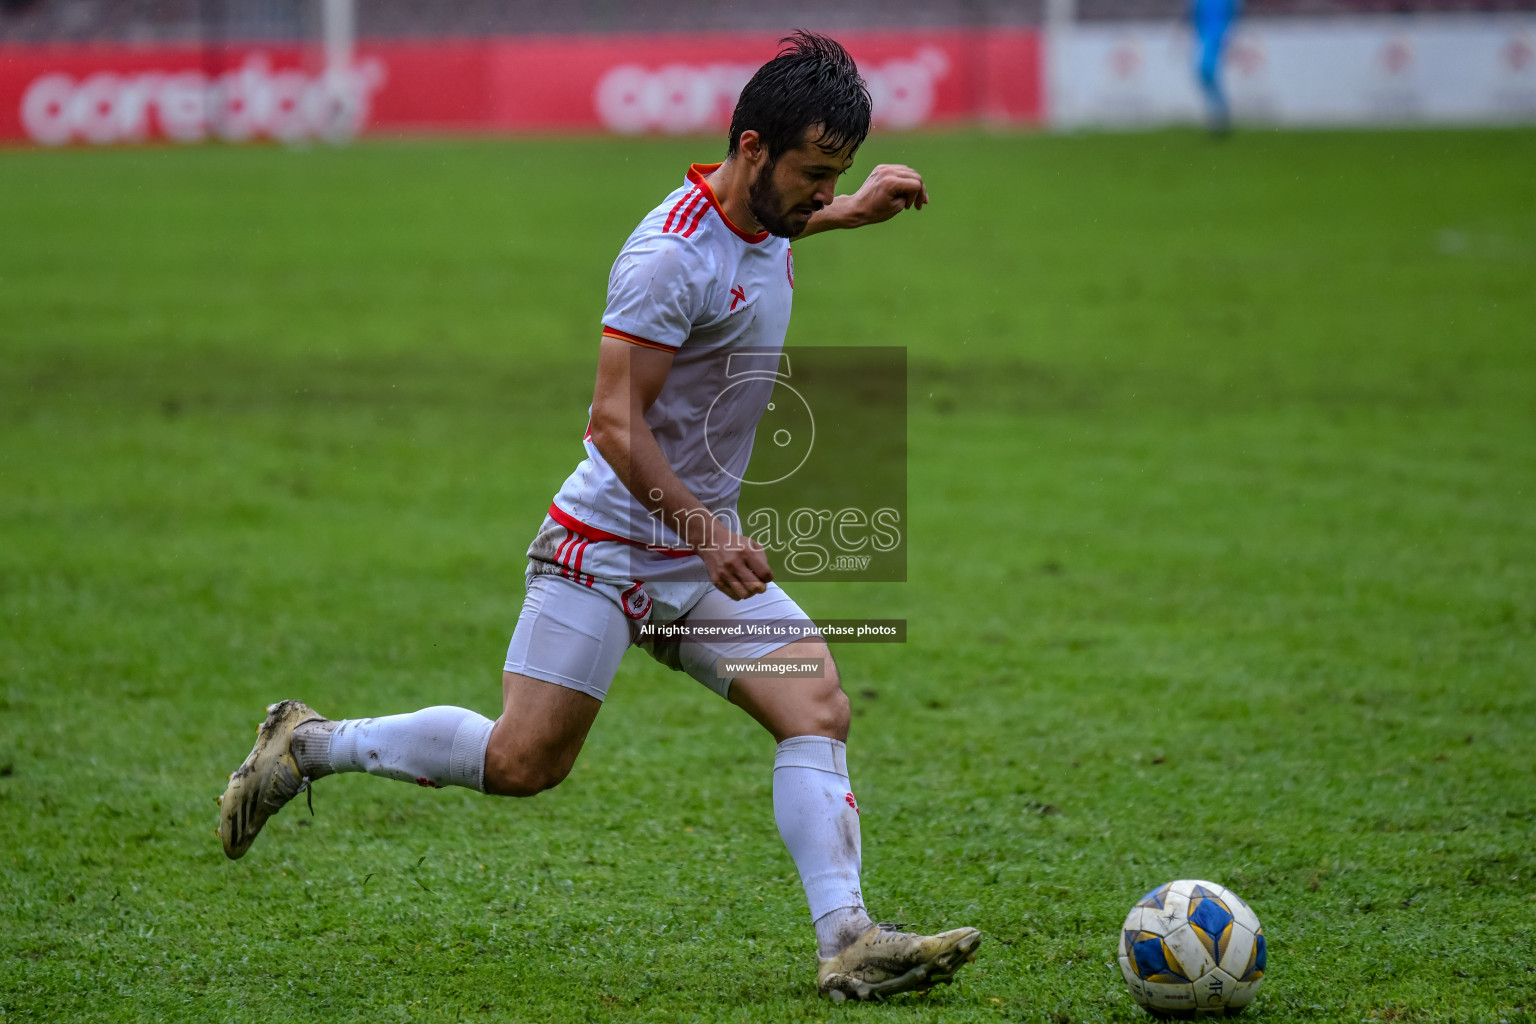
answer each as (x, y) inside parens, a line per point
(767, 205)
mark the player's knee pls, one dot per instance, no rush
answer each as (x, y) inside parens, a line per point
(520, 776)
(836, 712)
(830, 704)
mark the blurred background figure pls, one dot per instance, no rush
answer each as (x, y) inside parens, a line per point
(1212, 21)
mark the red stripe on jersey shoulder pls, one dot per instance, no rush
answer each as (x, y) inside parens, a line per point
(695, 203)
(692, 193)
(635, 339)
(694, 226)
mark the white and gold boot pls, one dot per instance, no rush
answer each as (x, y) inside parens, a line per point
(884, 961)
(268, 779)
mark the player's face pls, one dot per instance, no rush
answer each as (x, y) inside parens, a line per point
(787, 191)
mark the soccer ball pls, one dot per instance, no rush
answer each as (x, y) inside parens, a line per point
(1191, 948)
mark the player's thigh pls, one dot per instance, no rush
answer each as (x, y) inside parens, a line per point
(796, 705)
(785, 706)
(562, 659)
(536, 740)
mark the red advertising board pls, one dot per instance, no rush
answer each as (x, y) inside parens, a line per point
(674, 83)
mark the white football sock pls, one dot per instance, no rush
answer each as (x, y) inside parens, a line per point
(441, 746)
(818, 820)
(836, 931)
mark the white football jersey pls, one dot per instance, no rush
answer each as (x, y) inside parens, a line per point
(690, 281)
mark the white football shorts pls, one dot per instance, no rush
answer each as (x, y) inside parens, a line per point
(587, 597)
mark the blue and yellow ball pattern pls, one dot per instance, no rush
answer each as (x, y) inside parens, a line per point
(1255, 969)
(1156, 898)
(1152, 960)
(1211, 920)
(1191, 949)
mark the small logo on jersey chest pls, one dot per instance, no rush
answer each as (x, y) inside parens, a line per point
(738, 294)
(789, 266)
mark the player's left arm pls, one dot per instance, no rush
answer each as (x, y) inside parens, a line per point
(889, 189)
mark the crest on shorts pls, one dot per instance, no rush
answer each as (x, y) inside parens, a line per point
(635, 601)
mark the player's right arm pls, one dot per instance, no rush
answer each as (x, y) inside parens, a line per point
(889, 189)
(629, 377)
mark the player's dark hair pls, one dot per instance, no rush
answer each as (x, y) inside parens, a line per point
(811, 83)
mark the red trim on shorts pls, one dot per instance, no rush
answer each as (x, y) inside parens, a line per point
(591, 533)
(570, 568)
(571, 540)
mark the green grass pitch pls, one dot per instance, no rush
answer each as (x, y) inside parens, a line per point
(1223, 565)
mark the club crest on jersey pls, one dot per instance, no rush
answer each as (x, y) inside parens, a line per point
(635, 601)
(738, 294)
(789, 266)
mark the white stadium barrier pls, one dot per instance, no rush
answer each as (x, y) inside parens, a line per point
(1419, 69)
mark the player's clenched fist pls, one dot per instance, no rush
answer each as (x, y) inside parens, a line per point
(889, 189)
(737, 565)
